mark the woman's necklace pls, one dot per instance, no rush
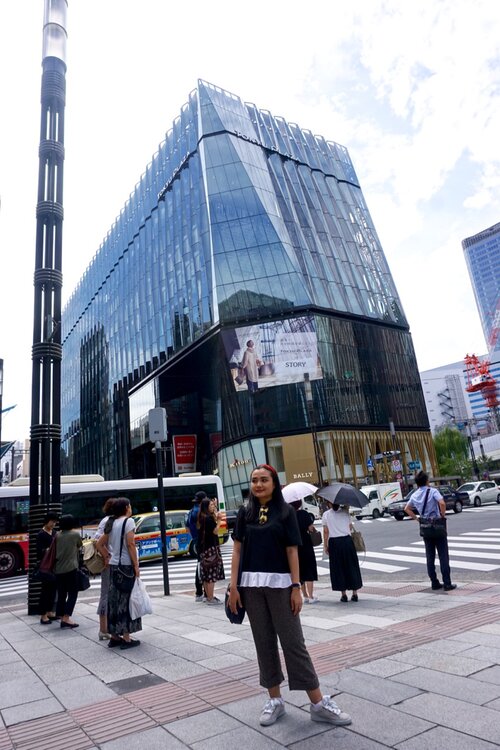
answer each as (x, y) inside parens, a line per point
(263, 511)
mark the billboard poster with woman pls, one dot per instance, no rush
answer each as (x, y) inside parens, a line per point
(272, 353)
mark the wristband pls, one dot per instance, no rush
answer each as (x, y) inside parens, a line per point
(295, 585)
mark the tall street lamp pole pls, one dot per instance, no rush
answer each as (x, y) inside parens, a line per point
(45, 433)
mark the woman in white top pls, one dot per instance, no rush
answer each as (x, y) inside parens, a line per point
(117, 546)
(338, 545)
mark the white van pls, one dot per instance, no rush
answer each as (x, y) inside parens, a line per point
(379, 496)
(311, 504)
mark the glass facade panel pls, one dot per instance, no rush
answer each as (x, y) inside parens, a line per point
(239, 216)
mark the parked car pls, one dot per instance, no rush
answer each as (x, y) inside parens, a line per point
(454, 499)
(481, 492)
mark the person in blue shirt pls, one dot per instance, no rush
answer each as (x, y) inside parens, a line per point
(435, 507)
(192, 520)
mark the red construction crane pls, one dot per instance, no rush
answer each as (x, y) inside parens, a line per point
(479, 378)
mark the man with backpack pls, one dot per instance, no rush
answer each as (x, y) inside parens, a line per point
(192, 520)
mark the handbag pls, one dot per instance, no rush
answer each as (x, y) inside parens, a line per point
(122, 580)
(431, 528)
(140, 602)
(82, 580)
(235, 619)
(45, 571)
(92, 559)
(316, 537)
(359, 542)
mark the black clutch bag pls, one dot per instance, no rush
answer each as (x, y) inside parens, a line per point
(237, 618)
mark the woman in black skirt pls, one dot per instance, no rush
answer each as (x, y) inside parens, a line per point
(338, 545)
(308, 568)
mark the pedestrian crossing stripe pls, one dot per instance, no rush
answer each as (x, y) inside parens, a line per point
(478, 545)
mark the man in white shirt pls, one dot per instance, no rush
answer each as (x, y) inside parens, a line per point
(428, 503)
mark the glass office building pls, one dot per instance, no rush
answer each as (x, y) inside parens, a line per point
(482, 254)
(242, 287)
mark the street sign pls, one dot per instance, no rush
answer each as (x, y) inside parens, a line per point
(414, 465)
(369, 464)
(396, 465)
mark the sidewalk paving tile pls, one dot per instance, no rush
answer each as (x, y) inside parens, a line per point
(22, 690)
(150, 739)
(210, 637)
(380, 723)
(60, 672)
(385, 667)
(459, 665)
(33, 710)
(459, 715)
(340, 739)
(241, 737)
(441, 738)
(173, 668)
(201, 726)
(491, 674)
(81, 691)
(369, 687)
(453, 686)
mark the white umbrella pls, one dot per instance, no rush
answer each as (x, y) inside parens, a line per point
(298, 491)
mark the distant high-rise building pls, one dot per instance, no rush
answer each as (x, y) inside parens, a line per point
(482, 254)
(243, 287)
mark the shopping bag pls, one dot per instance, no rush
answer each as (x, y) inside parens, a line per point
(359, 542)
(45, 571)
(140, 601)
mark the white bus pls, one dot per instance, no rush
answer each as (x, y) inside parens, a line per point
(84, 499)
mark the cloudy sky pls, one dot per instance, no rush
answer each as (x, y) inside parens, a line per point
(412, 90)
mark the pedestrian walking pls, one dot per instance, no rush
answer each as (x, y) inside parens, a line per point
(102, 607)
(192, 519)
(68, 545)
(338, 546)
(430, 506)
(117, 546)
(44, 539)
(266, 563)
(211, 564)
(308, 568)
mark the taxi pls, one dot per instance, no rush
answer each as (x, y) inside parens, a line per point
(148, 534)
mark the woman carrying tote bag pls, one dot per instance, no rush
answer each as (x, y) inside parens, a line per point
(117, 546)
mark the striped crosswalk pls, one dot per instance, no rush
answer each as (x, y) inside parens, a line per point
(477, 551)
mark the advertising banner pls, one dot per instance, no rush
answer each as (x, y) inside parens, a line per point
(184, 453)
(273, 353)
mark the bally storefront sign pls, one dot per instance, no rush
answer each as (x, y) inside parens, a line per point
(184, 453)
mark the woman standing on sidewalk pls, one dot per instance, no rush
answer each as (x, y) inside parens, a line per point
(68, 545)
(102, 607)
(44, 539)
(338, 545)
(117, 546)
(211, 565)
(266, 537)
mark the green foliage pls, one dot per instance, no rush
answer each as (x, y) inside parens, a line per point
(452, 453)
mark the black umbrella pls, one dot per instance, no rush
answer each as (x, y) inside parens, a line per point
(343, 494)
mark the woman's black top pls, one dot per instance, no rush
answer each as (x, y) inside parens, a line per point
(43, 542)
(206, 536)
(265, 545)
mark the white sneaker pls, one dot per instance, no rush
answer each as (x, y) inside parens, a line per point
(213, 601)
(200, 598)
(314, 600)
(273, 709)
(306, 600)
(330, 712)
